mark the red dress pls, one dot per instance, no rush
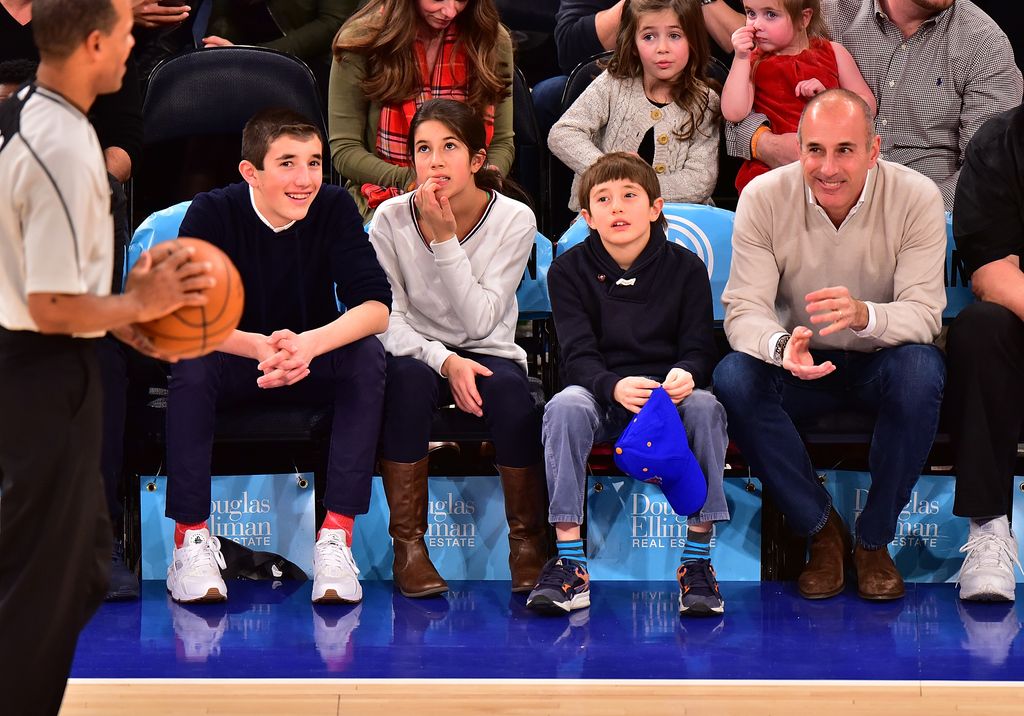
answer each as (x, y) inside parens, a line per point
(775, 80)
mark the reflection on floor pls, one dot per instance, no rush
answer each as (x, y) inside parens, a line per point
(480, 630)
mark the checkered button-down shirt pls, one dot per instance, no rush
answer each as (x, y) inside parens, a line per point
(934, 88)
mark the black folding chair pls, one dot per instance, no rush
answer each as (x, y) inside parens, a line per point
(195, 107)
(531, 164)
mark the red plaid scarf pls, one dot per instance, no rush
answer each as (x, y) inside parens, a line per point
(447, 81)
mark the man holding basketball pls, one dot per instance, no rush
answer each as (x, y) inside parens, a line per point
(301, 250)
(57, 263)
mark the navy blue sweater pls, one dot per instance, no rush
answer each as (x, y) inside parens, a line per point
(290, 277)
(659, 320)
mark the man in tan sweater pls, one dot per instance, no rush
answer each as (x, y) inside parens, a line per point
(853, 247)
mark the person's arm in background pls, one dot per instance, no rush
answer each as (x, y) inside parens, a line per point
(721, 21)
(312, 40)
(501, 152)
(988, 214)
(572, 137)
(150, 14)
(577, 37)
(347, 117)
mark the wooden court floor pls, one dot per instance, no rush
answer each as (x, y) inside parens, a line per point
(437, 697)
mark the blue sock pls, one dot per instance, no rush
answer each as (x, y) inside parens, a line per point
(572, 549)
(698, 545)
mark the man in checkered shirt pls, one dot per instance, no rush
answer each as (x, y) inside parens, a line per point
(938, 68)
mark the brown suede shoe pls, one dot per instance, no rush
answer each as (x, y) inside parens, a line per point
(877, 576)
(823, 576)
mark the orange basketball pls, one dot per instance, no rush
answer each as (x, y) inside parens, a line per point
(194, 331)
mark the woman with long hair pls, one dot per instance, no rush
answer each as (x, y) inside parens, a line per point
(391, 57)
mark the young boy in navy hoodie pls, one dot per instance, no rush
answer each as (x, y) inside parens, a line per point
(632, 312)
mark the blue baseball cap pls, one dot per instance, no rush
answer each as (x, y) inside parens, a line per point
(653, 448)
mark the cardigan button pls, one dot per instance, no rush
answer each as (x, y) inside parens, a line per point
(659, 168)
(663, 139)
(655, 114)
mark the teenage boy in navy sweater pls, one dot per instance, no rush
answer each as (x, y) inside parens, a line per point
(299, 248)
(632, 311)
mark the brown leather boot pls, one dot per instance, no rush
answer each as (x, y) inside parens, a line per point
(823, 575)
(405, 484)
(526, 508)
(877, 576)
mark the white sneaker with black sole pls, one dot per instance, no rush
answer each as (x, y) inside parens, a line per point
(991, 553)
(194, 573)
(335, 574)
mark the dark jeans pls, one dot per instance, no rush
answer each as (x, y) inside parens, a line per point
(352, 377)
(54, 531)
(985, 406)
(415, 391)
(901, 386)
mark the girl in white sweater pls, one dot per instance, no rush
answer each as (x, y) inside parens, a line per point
(654, 99)
(455, 251)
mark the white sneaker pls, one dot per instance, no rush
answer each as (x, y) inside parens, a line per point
(194, 572)
(198, 633)
(335, 570)
(987, 573)
(332, 634)
(990, 630)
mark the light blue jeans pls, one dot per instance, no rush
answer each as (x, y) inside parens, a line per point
(574, 421)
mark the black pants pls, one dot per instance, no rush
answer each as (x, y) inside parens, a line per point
(985, 406)
(54, 530)
(415, 390)
(350, 377)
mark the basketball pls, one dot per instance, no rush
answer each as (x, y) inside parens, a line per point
(194, 331)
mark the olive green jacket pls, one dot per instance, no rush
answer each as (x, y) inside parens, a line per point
(308, 26)
(352, 122)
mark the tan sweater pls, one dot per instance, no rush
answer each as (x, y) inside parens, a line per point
(614, 115)
(889, 252)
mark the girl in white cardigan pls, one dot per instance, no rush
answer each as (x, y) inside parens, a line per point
(654, 99)
(455, 251)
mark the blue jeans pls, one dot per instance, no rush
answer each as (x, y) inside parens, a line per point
(901, 386)
(574, 421)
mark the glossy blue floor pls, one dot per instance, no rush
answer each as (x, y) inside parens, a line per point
(480, 630)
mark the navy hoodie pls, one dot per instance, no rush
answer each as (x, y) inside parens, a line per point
(644, 321)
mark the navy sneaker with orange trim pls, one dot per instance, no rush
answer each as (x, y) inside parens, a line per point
(563, 586)
(698, 589)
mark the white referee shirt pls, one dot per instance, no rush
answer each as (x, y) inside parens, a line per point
(56, 228)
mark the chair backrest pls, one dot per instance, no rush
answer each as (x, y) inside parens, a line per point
(195, 107)
(583, 74)
(704, 230)
(217, 90)
(958, 287)
(530, 165)
(157, 227)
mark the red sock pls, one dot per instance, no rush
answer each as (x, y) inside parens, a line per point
(180, 528)
(334, 521)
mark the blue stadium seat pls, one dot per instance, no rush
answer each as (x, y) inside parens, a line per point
(532, 294)
(704, 230)
(157, 227)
